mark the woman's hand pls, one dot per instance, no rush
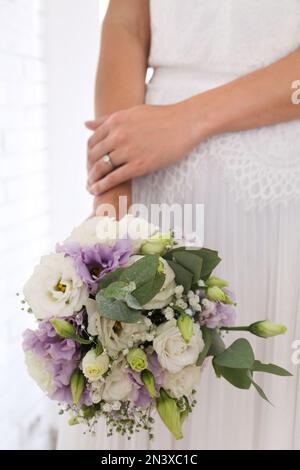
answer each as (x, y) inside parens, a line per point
(139, 140)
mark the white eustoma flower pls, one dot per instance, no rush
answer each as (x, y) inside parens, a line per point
(173, 352)
(164, 297)
(93, 366)
(182, 383)
(115, 336)
(54, 289)
(118, 386)
(38, 370)
(95, 230)
(107, 230)
(96, 390)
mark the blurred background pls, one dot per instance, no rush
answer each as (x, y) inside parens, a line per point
(48, 55)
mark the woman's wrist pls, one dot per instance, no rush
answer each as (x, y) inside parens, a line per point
(205, 114)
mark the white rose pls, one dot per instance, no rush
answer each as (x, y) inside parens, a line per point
(54, 289)
(115, 336)
(173, 352)
(38, 370)
(93, 366)
(164, 297)
(118, 386)
(182, 383)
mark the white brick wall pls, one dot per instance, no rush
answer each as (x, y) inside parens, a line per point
(24, 208)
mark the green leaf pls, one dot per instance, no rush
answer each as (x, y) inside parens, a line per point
(80, 340)
(109, 278)
(116, 310)
(98, 349)
(116, 290)
(207, 335)
(217, 346)
(183, 277)
(142, 271)
(237, 377)
(189, 261)
(270, 369)
(88, 411)
(132, 302)
(148, 291)
(210, 260)
(238, 356)
(258, 389)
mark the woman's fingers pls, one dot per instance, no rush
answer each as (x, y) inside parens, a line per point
(102, 168)
(104, 147)
(116, 177)
(94, 124)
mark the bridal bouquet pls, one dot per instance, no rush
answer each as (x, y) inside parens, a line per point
(126, 317)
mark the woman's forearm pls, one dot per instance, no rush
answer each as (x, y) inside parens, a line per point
(258, 99)
(120, 81)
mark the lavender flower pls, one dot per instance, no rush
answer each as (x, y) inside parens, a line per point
(217, 314)
(60, 356)
(93, 262)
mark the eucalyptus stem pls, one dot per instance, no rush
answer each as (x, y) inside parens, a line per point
(236, 328)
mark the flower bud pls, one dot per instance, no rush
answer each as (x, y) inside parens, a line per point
(94, 366)
(216, 294)
(77, 385)
(169, 413)
(216, 282)
(185, 325)
(267, 329)
(156, 245)
(149, 382)
(64, 329)
(137, 359)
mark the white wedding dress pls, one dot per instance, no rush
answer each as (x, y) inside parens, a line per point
(250, 185)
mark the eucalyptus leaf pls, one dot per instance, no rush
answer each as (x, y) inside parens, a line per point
(270, 369)
(210, 259)
(238, 356)
(259, 389)
(117, 290)
(117, 310)
(183, 277)
(217, 346)
(207, 334)
(237, 377)
(132, 302)
(146, 292)
(142, 271)
(191, 262)
(109, 278)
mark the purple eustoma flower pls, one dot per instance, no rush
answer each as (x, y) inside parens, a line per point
(93, 262)
(62, 356)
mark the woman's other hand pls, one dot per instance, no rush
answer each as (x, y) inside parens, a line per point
(139, 140)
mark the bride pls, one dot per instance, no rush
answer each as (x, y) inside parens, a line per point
(217, 125)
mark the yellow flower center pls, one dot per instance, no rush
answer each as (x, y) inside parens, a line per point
(60, 287)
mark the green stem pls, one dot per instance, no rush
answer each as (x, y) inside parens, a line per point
(236, 328)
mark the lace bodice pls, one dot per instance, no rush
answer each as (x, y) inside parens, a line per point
(199, 44)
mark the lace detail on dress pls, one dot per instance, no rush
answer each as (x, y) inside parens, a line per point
(198, 45)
